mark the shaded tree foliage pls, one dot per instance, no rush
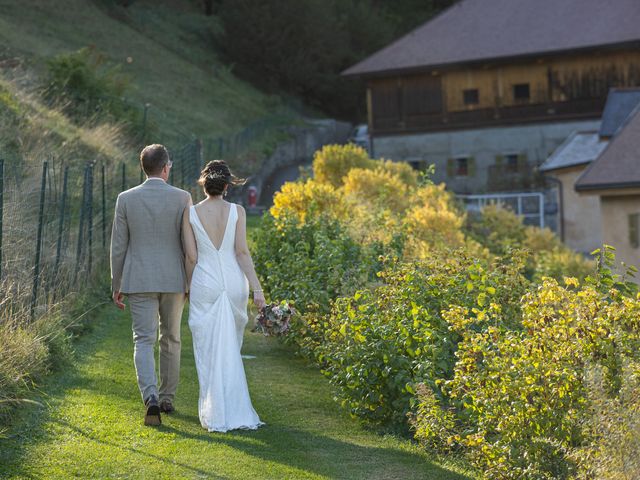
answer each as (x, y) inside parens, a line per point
(301, 46)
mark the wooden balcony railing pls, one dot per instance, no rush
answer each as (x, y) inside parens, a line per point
(531, 113)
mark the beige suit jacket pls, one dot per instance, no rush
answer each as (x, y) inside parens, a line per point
(146, 241)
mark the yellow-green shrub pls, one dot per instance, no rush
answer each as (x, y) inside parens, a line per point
(408, 175)
(432, 222)
(518, 400)
(613, 426)
(379, 189)
(500, 230)
(333, 162)
(497, 228)
(308, 197)
(377, 345)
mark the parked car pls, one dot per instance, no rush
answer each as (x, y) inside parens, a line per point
(360, 136)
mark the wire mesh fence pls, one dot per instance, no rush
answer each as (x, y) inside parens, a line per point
(55, 225)
(234, 145)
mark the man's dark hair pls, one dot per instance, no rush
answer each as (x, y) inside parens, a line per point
(153, 158)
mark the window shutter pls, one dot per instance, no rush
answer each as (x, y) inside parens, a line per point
(451, 167)
(499, 160)
(522, 162)
(471, 167)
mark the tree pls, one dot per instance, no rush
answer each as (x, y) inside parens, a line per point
(301, 46)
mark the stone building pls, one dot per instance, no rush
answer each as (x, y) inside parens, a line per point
(614, 179)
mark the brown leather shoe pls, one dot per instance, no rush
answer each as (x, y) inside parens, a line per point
(166, 406)
(152, 416)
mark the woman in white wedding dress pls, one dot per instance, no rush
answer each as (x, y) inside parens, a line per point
(220, 270)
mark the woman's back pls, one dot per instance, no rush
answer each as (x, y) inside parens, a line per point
(214, 218)
(214, 225)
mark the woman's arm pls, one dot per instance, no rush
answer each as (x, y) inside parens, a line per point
(244, 259)
(189, 245)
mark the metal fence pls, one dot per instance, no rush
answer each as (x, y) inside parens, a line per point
(529, 206)
(233, 145)
(55, 225)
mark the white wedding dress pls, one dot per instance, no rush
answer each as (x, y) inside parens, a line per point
(217, 318)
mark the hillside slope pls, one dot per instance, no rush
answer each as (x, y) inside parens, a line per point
(166, 48)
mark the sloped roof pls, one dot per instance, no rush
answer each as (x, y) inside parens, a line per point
(620, 103)
(579, 148)
(477, 30)
(618, 166)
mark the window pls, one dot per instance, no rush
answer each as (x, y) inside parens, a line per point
(521, 92)
(462, 167)
(419, 165)
(511, 163)
(634, 229)
(471, 96)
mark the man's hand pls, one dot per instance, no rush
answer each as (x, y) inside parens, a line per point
(118, 299)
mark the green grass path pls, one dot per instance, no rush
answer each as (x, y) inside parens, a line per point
(90, 424)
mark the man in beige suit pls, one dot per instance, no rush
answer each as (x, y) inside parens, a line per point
(147, 265)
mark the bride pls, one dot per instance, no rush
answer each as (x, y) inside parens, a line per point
(218, 265)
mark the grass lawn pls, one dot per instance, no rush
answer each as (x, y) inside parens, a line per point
(90, 424)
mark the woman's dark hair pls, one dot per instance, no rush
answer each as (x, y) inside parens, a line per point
(216, 176)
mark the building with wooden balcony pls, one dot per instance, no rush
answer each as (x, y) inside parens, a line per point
(580, 222)
(488, 89)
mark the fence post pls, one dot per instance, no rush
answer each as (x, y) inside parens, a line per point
(63, 206)
(36, 272)
(81, 224)
(104, 210)
(144, 123)
(124, 177)
(90, 214)
(198, 159)
(1, 209)
(182, 169)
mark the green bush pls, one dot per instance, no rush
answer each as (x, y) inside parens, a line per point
(310, 263)
(518, 397)
(378, 345)
(500, 230)
(613, 426)
(86, 87)
(483, 349)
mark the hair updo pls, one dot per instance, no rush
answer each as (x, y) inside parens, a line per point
(216, 176)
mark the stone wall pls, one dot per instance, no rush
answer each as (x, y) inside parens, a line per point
(283, 165)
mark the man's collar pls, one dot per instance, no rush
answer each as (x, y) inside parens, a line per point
(155, 178)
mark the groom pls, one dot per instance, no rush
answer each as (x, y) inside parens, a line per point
(147, 265)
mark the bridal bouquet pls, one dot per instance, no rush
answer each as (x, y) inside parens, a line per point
(274, 319)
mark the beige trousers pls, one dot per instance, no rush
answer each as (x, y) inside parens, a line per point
(148, 311)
